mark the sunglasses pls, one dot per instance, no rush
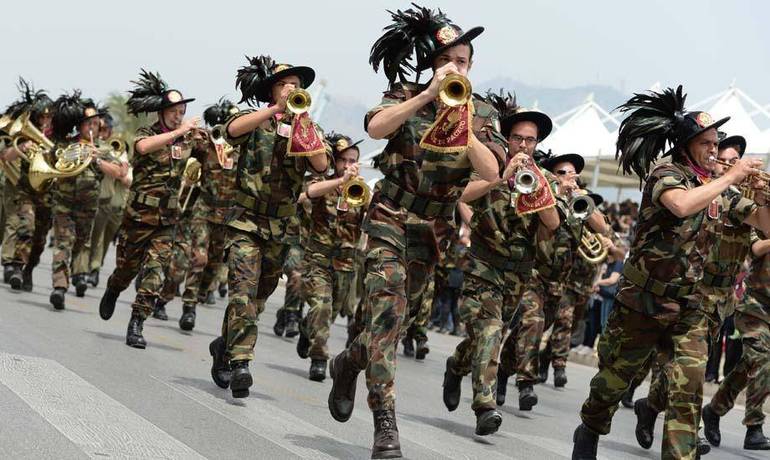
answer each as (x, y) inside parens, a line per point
(564, 172)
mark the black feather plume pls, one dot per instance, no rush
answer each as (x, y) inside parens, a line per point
(68, 111)
(504, 102)
(649, 129)
(30, 100)
(250, 76)
(147, 94)
(406, 42)
(218, 113)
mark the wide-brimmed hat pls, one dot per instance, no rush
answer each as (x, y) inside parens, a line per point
(576, 160)
(339, 143)
(152, 94)
(734, 141)
(256, 79)
(541, 120)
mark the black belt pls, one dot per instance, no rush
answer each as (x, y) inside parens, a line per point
(717, 281)
(419, 205)
(500, 262)
(276, 210)
(659, 288)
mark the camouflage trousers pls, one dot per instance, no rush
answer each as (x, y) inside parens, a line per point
(72, 225)
(537, 311)
(752, 371)
(189, 253)
(106, 226)
(254, 267)
(294, 269)
(418, 330)
(486, 309)
(146, 247)
(627, 346)
(34, 222)
(208, 249)
(10, 223)
(392, 283)
(328, 292)
(558, 342)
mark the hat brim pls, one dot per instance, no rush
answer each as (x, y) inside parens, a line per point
(99, 113)
(351, 146)
(466, 37)
(172, 104)
(305, 74)
(576, 160)
(597, 199)
(697, 133)
(541, 120)
(736, 140)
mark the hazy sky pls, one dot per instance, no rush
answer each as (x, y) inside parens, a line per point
(197, 46)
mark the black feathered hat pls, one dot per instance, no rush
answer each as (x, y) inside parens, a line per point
(36, 102)
(219, 113)
(256, 79)
(69, 111)
(739, 142)
(414, 39)
(657, 123)
(152, 94)
(340, 143)
(510, 113)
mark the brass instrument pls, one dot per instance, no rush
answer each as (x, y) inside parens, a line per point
(745, 187)
(455, 90)
(591, 248)
(356, 193)
(118, 145)
(525, 181)
(298, 101)
(11, 169)
(582, 206)
(224, 149)
(190, 178)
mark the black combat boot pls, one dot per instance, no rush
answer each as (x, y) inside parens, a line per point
(93, 278)
(502, 387)
(159, 312)
(422, 349)
(408, 344)
(452, 385)
(487, 421)
(292, 324)
(134, 337)
(711, 425)
(628, 397)
(303, 345)
(280, 322)
(241, 380)
(342, 396)
(645, 423)
(756, 439)
(16, 279)
(7, 272)
(586, 443)
(317, 370)
(220, 367)
(386, 444)
(527, 396)
(222, 290)
(543, 366)
(107, 304)
(703, 447)
(187, 320)
(57, 298)
(559, 377)
(79, 281)
(26, 280)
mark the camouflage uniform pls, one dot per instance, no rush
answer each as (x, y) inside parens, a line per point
(330, 265)
(75, 200)
(501, 259)
(752, 319)
(33, 211)
(112, 202)
(294, 267)
(10, 222)
(268, 185)
(145, 238)
(657, 299)
(409, 214)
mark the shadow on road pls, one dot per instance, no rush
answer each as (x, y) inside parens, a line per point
(122, 338)
(289, 370)
(329, 446)
(219, 393)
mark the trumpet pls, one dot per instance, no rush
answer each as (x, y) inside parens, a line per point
(455, 90)
(190, 178)
(223, 148)
(356, 193)
(591, 248)
(582, 206)
(298, 101)
(525, 181)
(745, 187)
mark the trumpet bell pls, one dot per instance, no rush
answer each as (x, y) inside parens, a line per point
(356, 193)
(218, 134)
(298, 101)
(582, 207)
(455, 90)
(525, 182)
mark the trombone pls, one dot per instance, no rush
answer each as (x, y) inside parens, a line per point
(455, 90)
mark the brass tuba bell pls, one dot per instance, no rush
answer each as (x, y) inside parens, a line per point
(455, 90)
(298, 101)
(356, 193)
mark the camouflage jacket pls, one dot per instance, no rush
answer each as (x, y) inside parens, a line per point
(335, 229)
(667, 256)
(112, 191)
(80, 190)
(731, 244)
(758, 284)
(582, 275)
(157, 178)
(556, 250)
(428, 179)
(217, 188)
(268, 181)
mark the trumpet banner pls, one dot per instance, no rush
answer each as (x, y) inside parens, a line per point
(450, 133)
(541, 198)
(304, 139)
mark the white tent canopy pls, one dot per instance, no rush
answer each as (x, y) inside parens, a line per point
(583, 132)
(733, 102)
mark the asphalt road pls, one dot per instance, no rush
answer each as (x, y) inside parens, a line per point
(71, 388)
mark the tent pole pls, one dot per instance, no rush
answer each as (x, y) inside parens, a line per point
(595, 179)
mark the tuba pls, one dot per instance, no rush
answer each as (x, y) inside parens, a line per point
(190, 178)
(298, 101)
(356, 193)
(455, 90)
